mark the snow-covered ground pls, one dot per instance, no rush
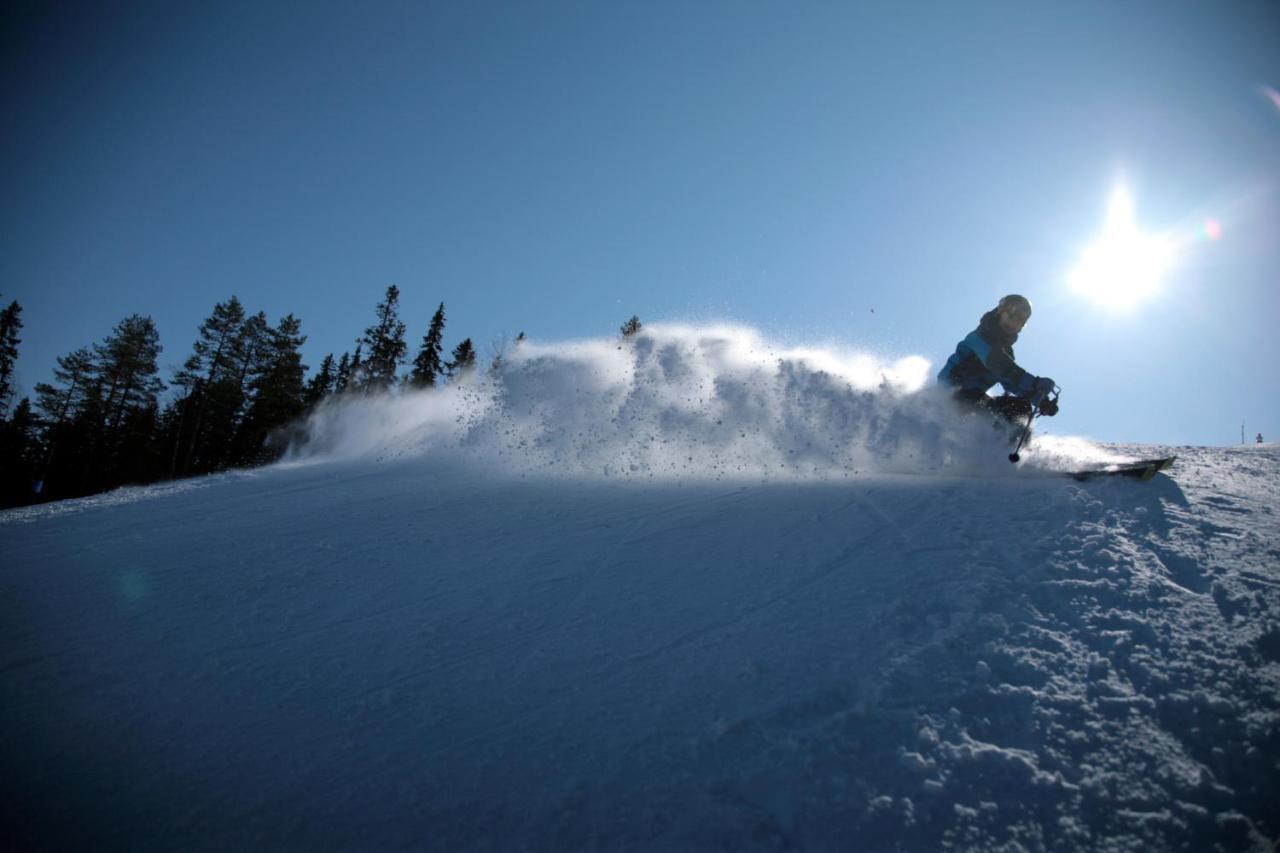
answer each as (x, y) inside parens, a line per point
(691, 593)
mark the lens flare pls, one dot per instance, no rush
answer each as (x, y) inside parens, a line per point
(1212, 230)
(1271, 95)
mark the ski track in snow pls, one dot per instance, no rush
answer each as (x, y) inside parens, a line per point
(436, 650)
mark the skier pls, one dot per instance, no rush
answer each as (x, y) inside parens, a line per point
(985, 357)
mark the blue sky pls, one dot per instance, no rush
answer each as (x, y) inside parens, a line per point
(870, 176)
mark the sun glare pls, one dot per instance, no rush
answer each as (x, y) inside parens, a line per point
(1125, 266)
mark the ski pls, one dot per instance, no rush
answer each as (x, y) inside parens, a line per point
(1143, 469)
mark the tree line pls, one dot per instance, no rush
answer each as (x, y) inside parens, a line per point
(237, 398)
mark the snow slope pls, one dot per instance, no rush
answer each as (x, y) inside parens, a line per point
(516, 614)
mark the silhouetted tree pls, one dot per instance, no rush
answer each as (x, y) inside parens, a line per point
(126, 384)
(211, 365)
(229, 397)
(321, 385)
(464, 358)
(19, 455)
(127, 370)
(10, 325)
(427, 366)
(75, 373)
(139, 457)
(277, 389)
(62, 417)
(343, 377)
(385, 340)
(632, 326)
(357, 377)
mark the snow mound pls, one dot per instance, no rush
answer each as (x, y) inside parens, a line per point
(408, 657)
(674, 402)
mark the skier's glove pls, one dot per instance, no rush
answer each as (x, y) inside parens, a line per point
(1041, 388)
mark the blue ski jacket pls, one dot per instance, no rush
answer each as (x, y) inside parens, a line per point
(984, 358)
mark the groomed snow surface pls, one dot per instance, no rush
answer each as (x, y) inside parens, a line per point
(689, 591)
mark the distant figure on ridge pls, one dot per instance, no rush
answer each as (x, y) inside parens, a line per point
(1259, 438)
(985, 357)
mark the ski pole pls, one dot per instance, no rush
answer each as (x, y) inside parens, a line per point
(1048, 402)
(1022, 439)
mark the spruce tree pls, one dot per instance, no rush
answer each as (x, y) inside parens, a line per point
(321, 385)
(385, 340)
(10, 325)
(23, 419)
(464, 358)
(427, 366)
(343, 377)
(356, 374)
(139, 457)
(631, 327)
(19, 455)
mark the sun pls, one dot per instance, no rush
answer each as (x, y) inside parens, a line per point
(1125, 267)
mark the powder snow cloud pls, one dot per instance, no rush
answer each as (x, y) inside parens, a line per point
(674, 401)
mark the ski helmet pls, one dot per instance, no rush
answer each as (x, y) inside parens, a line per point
(1015, 299)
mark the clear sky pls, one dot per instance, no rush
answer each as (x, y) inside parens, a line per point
(870, 176)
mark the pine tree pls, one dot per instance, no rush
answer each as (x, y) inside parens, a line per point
(212, 362)
(10, 325)
(385, 340)
(75, 372)
(126, 386)
(631, 327)
(68, 421)
(227, 441)
(127, 370)
(214, 351)
(278, 391)
(464, 358)
(255, 349)
(427, 366)
(321, 385)
(287, 370)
